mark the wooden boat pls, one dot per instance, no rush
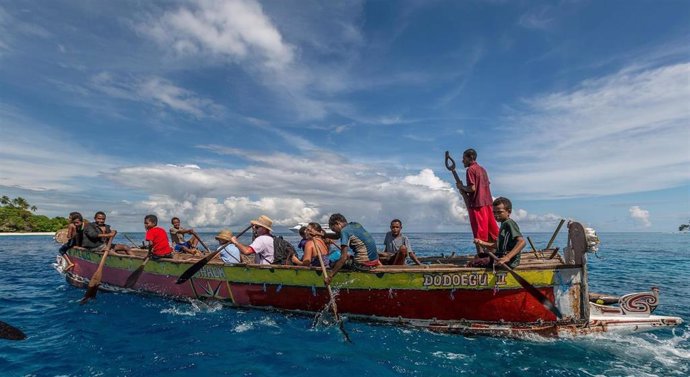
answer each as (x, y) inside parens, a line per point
(441, 296)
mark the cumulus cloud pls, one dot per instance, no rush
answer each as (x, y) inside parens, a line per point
(600, 137)
(155, 90)
(640, 216)
(240, 32)
(293, 189)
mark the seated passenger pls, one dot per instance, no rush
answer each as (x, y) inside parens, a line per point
(314, 247)
(262, 246)
(302, 233)
(177, 235)
(229, 254)
(75, 232)
(97, 233)
(510, 240)
(397, 246)
(353, 235)
(156, 238)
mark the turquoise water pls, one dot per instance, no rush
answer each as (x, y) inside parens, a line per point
(137, 335)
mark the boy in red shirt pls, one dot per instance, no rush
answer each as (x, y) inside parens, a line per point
(157, 238)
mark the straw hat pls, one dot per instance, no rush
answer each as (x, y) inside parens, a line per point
(263, 221)
(224, 235)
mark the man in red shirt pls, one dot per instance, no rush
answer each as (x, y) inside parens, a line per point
(157, 238)
(478, 200)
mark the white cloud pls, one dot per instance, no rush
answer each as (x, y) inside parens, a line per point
(293, 189)
(601, 138)
(640, 216)
(240, 32)
(236, 30)
(157, 91)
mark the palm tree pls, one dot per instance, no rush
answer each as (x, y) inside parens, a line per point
(5, 200)
(20, 202)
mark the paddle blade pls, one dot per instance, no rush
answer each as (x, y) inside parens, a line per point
(537, 294)
(342, 329)
(134, 277)
(10, 332)
(90, 293)
(195, 268)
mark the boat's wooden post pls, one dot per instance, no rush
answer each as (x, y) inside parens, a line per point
(534, 249)
(553, 237)
(578, 246)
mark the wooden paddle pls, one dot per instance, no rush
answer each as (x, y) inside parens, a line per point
(201, 241)
(132, 242)
(10, 332)
(132, 279)
(191, 271)
(450, 165)
(96, 277)
(529, 287)
(331, 298)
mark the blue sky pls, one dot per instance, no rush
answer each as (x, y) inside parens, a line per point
(218, 112)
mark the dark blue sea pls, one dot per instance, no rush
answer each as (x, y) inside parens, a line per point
(137, 335)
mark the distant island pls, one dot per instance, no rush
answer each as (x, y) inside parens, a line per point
(17, 216)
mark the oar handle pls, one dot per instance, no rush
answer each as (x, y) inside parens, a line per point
(130, 240)
(244, 231)
(450, 165)
(201, 241)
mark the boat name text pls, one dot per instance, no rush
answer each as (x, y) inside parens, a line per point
(473, 279)
(211, 272)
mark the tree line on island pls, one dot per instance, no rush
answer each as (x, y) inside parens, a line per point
(17, 215)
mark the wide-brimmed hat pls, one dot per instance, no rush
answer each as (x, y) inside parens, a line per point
(263, 221)
(224, 235)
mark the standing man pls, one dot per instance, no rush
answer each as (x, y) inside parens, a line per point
(478, 200)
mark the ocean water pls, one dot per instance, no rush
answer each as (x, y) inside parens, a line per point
(139, 335)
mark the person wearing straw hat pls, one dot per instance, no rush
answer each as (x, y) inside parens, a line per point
(262, 246)
(229, 254)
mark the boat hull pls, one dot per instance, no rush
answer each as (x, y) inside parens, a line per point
(437, 297)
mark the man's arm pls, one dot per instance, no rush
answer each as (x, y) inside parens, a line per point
(516, 250)
(244, 249)
(339, 264)
(466, 189)
(488, 245)
(71, 231)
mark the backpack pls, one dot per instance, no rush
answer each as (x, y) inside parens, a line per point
(282, 251)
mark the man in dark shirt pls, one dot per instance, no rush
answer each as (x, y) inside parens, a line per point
(479, 199)
(510, 241)
(97, 233)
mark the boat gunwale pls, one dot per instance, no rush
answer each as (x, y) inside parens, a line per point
(410, 268)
